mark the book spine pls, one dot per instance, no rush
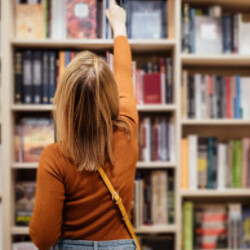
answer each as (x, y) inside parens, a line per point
(192, 164)
(197, 96)
(186, 30)
(170, 198)
(52, 83)
(210, 163)
(238, 98)
(37, 77)
(27, 76)
(192, 31)
(46, 77)
(228, 97)
(215, 165)
(170, 88)
(18, 77)
(188, 226)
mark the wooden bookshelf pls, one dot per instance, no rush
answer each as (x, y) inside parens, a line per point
(183, 126)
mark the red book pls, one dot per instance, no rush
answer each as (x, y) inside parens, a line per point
(228, 97)
(152, 88)
(81, 19)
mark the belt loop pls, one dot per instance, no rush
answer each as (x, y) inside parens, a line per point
(95, 245)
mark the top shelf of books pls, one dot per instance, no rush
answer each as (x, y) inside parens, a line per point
(97, 44)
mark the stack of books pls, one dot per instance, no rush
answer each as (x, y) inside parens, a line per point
(61, 19)
(153, 199)
(210, 31)
(206, 96)
(156, 138)
(32, 135)
(208, 163)
(215, 226)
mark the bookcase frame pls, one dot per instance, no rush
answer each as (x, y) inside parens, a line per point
(173, 43)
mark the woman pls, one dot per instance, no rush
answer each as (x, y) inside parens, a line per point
(96, 121)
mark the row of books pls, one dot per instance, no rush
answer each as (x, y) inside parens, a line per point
(61, 19)
(32, 135)
(156, 138)
(153, 199)
(37, 73)
(207, 96)
(215, 226)
(208, 163)
(209, 31)
(153, 84)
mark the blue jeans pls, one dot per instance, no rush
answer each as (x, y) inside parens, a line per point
(94, 245)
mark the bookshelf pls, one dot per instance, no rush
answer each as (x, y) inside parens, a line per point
(224, 127)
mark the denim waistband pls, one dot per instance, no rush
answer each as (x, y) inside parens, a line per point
(67, 244)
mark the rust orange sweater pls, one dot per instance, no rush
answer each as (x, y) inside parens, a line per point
(76, 205)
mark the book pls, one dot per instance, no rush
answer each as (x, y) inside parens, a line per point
(18, 98)
(32, 136)
(152, 88)
(188, 226)
(150, 14)
(37, 77)
(208, 35)
(185, 161)
(25, 198)
(29, 21)
(245, 226)
(27, 77)
(81, 19)
(192, 161)
(243, 36)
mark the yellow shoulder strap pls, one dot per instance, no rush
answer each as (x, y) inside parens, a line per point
(118, 201)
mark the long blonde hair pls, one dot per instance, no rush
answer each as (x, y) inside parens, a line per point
(87, 109)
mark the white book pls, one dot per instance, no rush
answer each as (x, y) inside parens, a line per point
(147, 148)
(244, 34)
(192, 161)
(24, 245)
(61, 19)
(184, 99)
(222, 165)
(133, 74)
(159, 197)
(141, 202)
(245, 90)
(172, 138)
(104, 19)
(136, 199)
(197, 94)
(53, 21)
(163, 88)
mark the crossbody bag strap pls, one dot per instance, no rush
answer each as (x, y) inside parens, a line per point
(118, 201)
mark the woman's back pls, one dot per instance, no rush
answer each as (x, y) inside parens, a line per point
(76, 203)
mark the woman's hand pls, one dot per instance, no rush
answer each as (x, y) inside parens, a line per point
(117, 18)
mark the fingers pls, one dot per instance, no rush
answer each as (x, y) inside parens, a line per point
(112, 3)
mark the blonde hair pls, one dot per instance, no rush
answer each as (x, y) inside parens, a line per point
(87, 109)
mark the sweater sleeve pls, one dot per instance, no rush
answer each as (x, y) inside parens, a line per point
(46, 221)
(123, 76)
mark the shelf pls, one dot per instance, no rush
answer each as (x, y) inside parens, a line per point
(216, 193)
(216, 60)
(20, 230)
(139, 165)
(156, 229)
(16, 230)
(153, 164)
(45, 107)
(216, 122)
(32, 107)
(156, 107)
(24, 165)
(97, 44)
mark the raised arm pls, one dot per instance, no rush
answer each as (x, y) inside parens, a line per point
(122, 63)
